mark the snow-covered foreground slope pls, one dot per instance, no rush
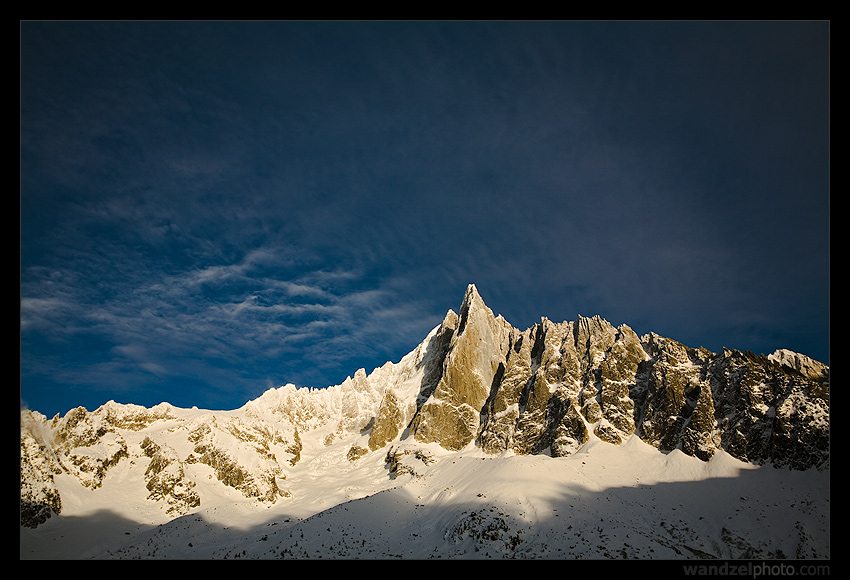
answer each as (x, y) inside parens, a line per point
(604, 501)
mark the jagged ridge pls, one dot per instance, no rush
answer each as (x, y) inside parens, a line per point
(548, 388)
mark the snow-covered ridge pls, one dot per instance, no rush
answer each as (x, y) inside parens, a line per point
(475, 385)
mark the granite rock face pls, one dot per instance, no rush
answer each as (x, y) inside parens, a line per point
(553, 386)
(450, 416)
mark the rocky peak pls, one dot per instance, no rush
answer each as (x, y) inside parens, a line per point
(475, 355)
(806, 366)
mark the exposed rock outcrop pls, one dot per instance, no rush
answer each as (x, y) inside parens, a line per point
(166, 479)
(221, 444)
(39, 497)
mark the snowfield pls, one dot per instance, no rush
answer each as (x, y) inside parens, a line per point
(605, 501)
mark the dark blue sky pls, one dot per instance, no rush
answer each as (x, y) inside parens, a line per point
(211, 209)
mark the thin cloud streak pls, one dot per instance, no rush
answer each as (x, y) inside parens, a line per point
(230, 314)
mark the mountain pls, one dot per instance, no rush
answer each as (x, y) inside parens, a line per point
(432, 457)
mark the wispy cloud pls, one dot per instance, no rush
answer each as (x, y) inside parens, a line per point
(244, 320)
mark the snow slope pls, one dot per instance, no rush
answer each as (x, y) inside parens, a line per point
(605, 501)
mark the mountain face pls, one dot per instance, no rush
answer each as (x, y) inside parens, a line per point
(475, 381)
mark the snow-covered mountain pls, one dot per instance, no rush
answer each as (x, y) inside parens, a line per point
(572, 439)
